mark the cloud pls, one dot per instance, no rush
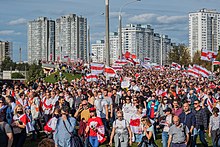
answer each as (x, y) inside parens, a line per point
(19, 21)
(97, 36)
(143, 18)
(152, 18)
(116, 14)
(9, 32)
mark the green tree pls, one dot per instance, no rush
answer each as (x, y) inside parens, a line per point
(35, 72)
(179, 54)
(17, 75)
(8, 64)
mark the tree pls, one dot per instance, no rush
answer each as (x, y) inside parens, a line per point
(8, 64)
(17, 75)
(179, 54)
(35, 72)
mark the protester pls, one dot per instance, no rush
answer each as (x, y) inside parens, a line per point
(67, 124)
(214, 126)
(121, 132)
(178, 134)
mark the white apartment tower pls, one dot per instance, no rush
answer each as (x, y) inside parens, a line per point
(5, 50)
(71, 38)
(204, 30)
(98, 51)
(114, 42)
(142, 41)
(41, 38)
(133, 40)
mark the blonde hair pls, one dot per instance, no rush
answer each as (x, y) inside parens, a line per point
(18, 106)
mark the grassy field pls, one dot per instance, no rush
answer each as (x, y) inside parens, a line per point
(30, 143)
(51, 78)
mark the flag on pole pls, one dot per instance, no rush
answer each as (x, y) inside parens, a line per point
(208, 55)
(216, 63)
(121, 62)
(109, 72)
(97, 68)
(203, 71)
(176, 65)
(117, 67)
(91, 77)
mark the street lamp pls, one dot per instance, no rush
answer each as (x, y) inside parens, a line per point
(120, 26)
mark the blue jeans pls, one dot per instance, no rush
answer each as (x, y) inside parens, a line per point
(201, 137)
(165, 137)
(93, 140)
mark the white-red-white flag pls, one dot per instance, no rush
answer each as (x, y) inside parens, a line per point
(176, 65)
(216, 63)
(96, 68)
(201, 70)
(117, 67)
(208, 55)
(109, 72)
(193, 72)
(91, 77)
(121, 62)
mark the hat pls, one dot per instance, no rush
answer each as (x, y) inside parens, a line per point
(93, 109)
(167, 110)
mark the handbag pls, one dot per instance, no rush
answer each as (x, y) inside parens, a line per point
(75, 139)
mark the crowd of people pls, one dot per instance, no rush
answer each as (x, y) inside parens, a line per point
(156, 104)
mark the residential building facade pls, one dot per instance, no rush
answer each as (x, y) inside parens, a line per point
(41, 40)
(5, 50)
(98, 51)
(204, 30)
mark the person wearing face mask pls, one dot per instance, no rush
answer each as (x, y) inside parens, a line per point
(20, 120)
(162, 106)
(50, 126)
(65, 129)
(152, 106)
(121, 132)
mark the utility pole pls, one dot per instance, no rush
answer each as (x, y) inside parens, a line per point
(107, 46)
(20, 55)
(161, 50)
(88, 50)
(212, 43)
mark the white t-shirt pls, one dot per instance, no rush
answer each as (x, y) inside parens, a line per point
(121, 126)
(100, 107)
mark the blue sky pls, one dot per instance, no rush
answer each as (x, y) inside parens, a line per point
(168, 17)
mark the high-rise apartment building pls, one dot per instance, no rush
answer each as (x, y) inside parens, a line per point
(204, 30)
(142, 41)
(5, 50)
(98, 51)
(71, 38)
(41, 40)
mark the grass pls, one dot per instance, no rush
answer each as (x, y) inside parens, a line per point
(30, 143)
(51, 78)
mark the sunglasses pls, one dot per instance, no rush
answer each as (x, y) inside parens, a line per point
(1, 102)
(196, 103)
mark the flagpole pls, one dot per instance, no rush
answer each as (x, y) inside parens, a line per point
(212, 43)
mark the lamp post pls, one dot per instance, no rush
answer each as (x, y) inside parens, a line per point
(107, 46)
(120, 27)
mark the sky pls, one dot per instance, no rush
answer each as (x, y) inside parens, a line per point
(169, 17)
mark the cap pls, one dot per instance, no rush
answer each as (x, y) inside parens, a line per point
(93, 109)
(167, 110)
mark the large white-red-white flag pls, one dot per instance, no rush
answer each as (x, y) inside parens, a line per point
(109, 72)
(193, 72)
(96, 68)
(208, 55)
(201, 70)
(91, 77)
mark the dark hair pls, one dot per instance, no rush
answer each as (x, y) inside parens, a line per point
(215, 110)
(65, 109)
(139, 106)
(46, 142)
